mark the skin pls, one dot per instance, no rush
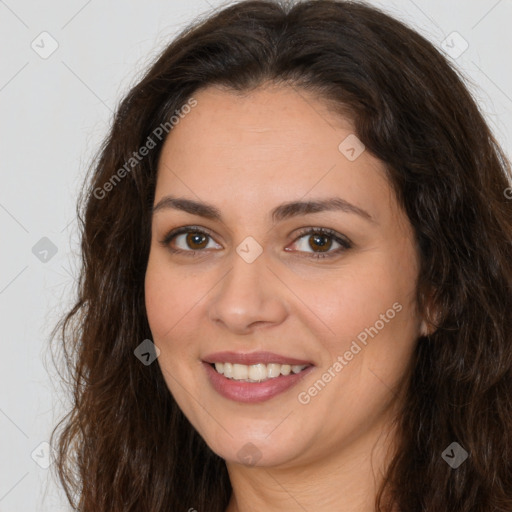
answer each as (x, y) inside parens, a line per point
(246, 154)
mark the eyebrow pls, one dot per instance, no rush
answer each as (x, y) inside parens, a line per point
(279, 213)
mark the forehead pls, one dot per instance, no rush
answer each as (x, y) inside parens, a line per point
(263, 120)
(270, 145)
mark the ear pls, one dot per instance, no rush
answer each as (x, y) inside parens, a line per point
(431, 318)
(426, 330)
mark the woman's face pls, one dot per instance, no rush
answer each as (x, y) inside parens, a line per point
(254, 282)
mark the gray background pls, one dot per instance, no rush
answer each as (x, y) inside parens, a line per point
(55, 112)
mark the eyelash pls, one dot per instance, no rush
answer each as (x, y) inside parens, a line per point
(344, 242)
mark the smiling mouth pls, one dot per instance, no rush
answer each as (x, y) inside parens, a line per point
(256, 372)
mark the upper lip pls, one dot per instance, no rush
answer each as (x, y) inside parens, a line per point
(253, 358)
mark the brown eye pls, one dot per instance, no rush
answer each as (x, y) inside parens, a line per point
(196, 240)
(188, 240)
(320, 242)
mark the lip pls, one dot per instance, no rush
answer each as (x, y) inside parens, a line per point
(253, 358)
(252, 392)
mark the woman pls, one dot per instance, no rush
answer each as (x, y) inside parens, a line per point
(297, 279)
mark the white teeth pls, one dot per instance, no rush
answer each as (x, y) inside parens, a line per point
(256, 372)
(240, 372)
(228, 370)
(273, 370)
(286, 369)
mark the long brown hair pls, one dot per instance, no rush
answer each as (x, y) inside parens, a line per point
(125, 445)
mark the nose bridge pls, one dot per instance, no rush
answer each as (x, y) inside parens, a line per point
(247, 294)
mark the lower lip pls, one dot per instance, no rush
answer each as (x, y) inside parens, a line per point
(250, 392)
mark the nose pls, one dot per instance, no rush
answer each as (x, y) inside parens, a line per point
(249, 295)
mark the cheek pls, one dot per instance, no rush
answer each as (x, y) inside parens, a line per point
(174, 301)
(356, 301)
(373, 305)
(166, 311)
(165, 302)
(156, 301)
